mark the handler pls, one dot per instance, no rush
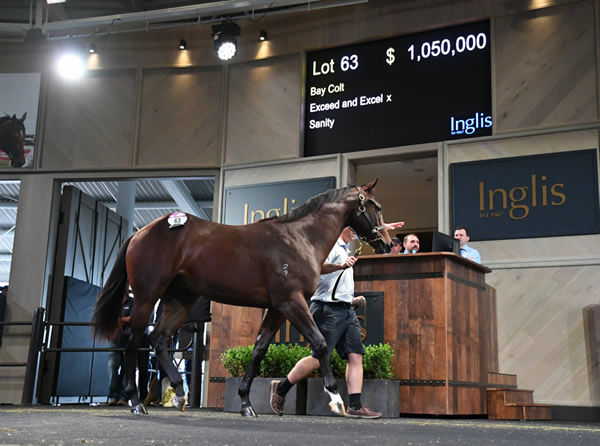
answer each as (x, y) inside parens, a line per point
(332, 308)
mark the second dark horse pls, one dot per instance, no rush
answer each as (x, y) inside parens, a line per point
(273, 264)
(12, 139)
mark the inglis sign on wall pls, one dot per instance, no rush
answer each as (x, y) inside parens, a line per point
(248, 204)
(545, 195)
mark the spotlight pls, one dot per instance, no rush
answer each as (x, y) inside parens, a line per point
(182, 44)
(71, 65)
(92, 48)
(224, 39)
(262, 36)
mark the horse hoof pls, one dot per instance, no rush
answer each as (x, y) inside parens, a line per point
(248, 412)
(336, 405)
(337, 408)
(139, 410)
(179, 402)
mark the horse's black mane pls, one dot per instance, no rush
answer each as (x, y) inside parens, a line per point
(313, 204)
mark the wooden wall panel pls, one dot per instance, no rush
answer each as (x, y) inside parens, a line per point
(181, 118)
(90, 123)
(493, 325)
(286, 171)
(263, 112)
(541, 335)
(545, 68)
(542, 285)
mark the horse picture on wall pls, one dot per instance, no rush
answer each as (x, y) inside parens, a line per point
(19, 104)
(12, 139)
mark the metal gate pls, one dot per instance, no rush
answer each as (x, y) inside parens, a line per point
(89, 236)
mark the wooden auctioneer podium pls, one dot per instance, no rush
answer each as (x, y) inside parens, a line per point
(439, 317)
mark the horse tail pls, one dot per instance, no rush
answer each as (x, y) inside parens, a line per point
(106, 319)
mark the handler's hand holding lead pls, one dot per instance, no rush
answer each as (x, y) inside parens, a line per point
(359, 301)
(350, 261)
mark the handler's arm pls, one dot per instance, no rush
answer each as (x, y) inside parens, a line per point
(331, 267)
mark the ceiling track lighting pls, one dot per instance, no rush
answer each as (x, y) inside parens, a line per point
(224, 35)
(262, 36)
(92, 49)
(182, 44)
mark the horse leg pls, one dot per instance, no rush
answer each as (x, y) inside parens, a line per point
(271, 323)
(138, 322)
(298, 314)
(173, 316)
(131, 353)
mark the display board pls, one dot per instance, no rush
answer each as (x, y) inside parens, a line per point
(426, 87)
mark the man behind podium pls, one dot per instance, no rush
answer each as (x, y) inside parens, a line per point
(462, 235)
(411, 244)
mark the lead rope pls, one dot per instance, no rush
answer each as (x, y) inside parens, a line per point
(333, 298)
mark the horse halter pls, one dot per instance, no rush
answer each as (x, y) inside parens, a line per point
(362, 211)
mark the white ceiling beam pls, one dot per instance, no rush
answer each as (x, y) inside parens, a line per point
(183, 198)
(139, 205)
(181, 12)
(166, 18)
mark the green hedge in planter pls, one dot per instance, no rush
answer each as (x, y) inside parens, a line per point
(281, 358)
(278, 362)
(236, 360)
(377, 361)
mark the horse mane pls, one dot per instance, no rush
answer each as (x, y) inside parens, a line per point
(313, 204)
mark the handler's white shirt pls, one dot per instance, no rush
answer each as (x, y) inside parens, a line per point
(345, 289)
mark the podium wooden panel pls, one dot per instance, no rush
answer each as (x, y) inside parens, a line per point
(231, 326)
(437, 318)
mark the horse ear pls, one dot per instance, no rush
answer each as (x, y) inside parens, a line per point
(23, 117)
(369, 187)
(13, 117)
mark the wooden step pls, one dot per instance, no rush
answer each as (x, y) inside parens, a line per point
(537, 412)
(515, 404)
(512, 396)
(504, 380)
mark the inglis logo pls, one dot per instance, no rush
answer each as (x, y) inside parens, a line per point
(470, 125)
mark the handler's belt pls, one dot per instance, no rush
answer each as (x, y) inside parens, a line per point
(339, 303)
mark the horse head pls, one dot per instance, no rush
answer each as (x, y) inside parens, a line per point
(367, 220)
(13, 140)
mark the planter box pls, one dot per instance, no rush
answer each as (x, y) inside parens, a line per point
(295, 400)
(382, 395)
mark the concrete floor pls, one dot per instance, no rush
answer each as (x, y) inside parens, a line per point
(70, 425)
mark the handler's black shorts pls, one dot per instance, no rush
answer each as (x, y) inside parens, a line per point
(339, 326)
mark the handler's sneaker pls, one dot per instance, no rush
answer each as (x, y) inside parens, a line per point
(277, 401)
(363, 412)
